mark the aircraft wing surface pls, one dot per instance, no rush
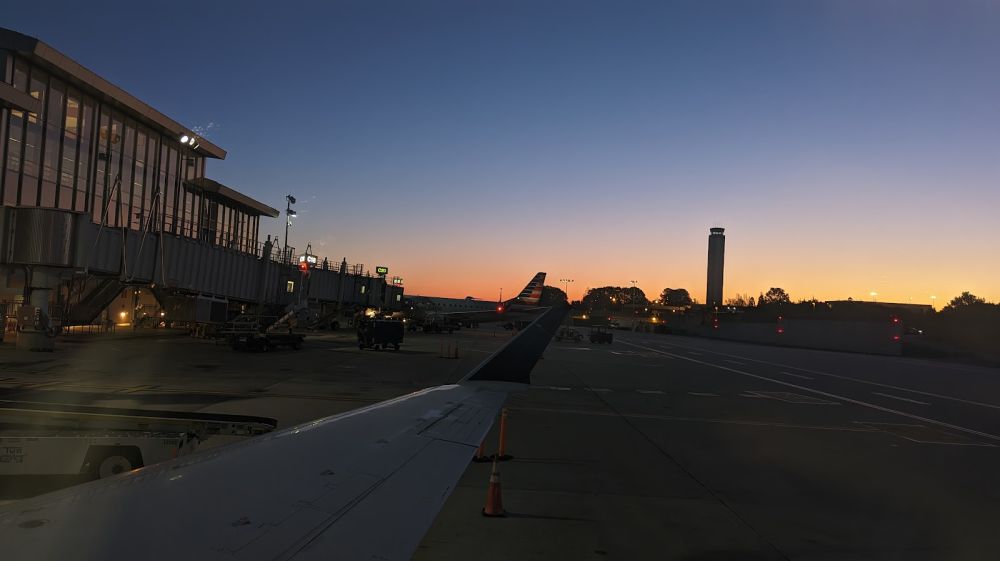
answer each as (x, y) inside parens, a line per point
(365, 484)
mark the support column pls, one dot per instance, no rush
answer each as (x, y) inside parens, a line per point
(33, 329)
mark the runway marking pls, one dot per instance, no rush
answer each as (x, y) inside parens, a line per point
(650, 391)
(736, 362)
(577, 348)
(794, 375)
(559, 388)
(704, 394)
(923, 434)
(601, 390)
(742, 422)
(789, 397)
(830, 395)
(900, 398)
(859, 380)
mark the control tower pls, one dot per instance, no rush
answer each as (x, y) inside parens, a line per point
(716, 259)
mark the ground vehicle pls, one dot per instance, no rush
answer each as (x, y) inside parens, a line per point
(569, 334)
(379, 333)
(258, 333)
(601, 334)
(440, 324)
(88, 442)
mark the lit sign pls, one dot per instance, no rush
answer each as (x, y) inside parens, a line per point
(311, 259)
(397, 281)
(382, 271)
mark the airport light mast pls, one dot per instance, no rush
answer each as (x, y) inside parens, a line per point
(289, 214)
(566, 281)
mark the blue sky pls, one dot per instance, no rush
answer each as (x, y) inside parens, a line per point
(847, 146)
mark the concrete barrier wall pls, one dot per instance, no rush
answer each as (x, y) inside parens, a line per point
(882, 338)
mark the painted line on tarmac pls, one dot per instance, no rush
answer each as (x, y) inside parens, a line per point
(794, 375)
(828, 394)
(559, 388)
(598, 390)
(890, 396)
(660, 392)
(742, 422)
(704, 394)
(859, 380)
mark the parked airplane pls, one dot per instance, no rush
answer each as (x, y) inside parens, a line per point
(365, 484)
(473, 310)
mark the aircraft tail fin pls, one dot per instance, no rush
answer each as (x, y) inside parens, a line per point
(532, 293)
(514, 361)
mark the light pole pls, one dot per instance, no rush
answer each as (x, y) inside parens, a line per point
(566, 281)
(933, 302)
(873, 294)
(289, 214)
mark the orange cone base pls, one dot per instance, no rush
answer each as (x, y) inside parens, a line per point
(503, 458)
(500, 514)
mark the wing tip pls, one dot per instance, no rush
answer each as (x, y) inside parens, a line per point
(514, 361)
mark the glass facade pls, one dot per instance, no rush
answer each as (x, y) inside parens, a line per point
(86, 155)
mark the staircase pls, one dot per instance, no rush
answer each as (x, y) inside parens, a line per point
(94, 302)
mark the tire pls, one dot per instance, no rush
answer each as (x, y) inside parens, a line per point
(107, 461)
(113, 465)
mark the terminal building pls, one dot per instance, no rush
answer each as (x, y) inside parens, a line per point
(104, 197)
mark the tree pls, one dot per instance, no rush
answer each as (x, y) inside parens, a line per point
(751, 303)
(551, 295)
(614, 297)
(675, 297)
(966, 300)
(740, 301)
(775, 296)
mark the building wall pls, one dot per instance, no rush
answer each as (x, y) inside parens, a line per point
(84, 155)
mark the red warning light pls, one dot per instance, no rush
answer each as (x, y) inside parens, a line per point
(303, 266)
(895, 320)
(896, 338)
(500, 309)
(781, 330)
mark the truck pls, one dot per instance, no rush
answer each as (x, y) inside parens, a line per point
(379, 333)
(261, 333)
(83, 442)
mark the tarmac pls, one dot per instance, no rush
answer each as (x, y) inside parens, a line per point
(653, 447)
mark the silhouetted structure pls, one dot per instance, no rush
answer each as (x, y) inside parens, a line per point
(716, 257)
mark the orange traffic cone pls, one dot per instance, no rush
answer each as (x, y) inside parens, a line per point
(481, 456)
(494, 504)
(501, 455)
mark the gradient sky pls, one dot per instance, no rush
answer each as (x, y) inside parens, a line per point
(846, 146)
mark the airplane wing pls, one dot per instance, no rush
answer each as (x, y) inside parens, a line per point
(365, 484)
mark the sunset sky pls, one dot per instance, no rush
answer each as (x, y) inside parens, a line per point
(846, 146)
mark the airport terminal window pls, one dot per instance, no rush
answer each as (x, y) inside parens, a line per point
(101, 166)
(115, 170)
(128, 174)
(20, 76)
(83, 182)
(67, 163)
(15, 145)
(139, 209)
(31, 161)
(52, 143)
(3, 145)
